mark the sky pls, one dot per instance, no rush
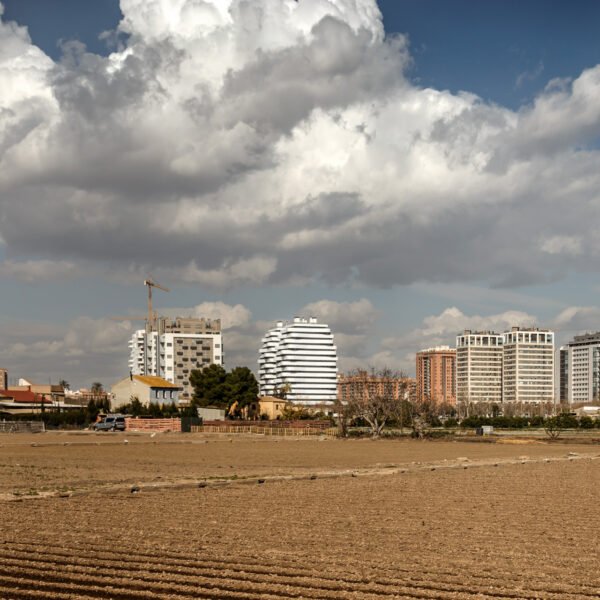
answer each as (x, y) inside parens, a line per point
(402, 170)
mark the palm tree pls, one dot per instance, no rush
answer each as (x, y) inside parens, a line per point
(97, 388)
(64, 384)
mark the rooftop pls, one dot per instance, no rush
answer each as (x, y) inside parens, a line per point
(587, 337)
(155, 382)
(24, 396)
(438, 349)
(472, 332)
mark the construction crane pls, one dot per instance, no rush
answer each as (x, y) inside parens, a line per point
(150, 283)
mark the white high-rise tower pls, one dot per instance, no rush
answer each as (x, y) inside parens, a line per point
(301, 357)
(479, 367)
(528, 366)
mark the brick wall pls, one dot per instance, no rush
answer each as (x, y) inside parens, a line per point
(132, 424)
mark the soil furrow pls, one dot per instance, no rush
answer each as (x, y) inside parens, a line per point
(189, 589)
(310, 587)
(240, 571)
(440, 529)
(52, 584)
(15, 593)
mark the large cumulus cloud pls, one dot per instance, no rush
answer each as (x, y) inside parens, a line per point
(228, 142)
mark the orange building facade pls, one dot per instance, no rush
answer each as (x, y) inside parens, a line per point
(362, 384)
(436, 375)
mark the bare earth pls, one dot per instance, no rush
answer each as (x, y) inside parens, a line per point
(186, 516)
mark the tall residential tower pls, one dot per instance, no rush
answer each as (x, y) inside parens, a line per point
(528, 366)
(479, 367)
(436, 380)
(300, 357)
(177, 347)
(579, 370)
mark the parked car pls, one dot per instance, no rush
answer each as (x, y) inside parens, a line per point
(110, 423)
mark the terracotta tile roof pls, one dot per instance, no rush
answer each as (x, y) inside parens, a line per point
(24, 396)
(156, 382)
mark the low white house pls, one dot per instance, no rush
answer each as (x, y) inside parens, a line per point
(588, 411)
(147, 389)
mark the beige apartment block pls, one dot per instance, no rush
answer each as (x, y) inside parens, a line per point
(479, 367)
(528, 366)
(178, 347)
(436, 375)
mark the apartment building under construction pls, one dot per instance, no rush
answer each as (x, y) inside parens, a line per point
(175, 349)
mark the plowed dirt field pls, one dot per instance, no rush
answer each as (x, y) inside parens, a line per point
(176, 517)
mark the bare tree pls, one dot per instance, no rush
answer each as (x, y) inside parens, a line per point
(464, 408)
(344, 412)
(376, 410)
(424, 413)
(377, 397)
(420, 426)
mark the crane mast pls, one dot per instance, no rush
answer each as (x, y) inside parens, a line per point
(151, 319)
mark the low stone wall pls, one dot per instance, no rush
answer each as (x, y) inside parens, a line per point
(276, 424)
(132, 424)
(267, 431)
(22, 427)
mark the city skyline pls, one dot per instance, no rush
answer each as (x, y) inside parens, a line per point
(448, 181)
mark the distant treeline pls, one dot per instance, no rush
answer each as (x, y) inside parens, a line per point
(86, 416)
(565, 421)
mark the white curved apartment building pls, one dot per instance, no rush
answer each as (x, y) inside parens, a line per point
(300, 354)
